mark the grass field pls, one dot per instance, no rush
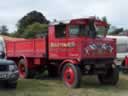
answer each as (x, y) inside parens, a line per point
(89, 87)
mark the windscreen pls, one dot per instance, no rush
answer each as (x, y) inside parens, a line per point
(100, 28)
(100, 31)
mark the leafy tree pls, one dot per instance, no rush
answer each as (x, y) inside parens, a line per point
(35, 30)
(29, 19)
(4, 30)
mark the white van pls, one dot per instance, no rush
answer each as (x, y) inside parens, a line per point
(122, 49)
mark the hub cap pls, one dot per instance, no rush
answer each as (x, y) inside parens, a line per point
(22, 70)
(69, 76)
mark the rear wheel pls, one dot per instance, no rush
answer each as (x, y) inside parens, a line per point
(71, 75)
(24, 72)
(111, 77)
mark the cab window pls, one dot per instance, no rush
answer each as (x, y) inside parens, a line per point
(60, 31)
(100, 31)
(78, 30)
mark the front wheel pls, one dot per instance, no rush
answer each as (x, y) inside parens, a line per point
(71, 75)
(111, 77)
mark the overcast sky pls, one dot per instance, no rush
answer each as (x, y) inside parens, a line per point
(115, 10)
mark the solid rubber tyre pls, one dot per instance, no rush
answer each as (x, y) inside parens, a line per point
(25, 72)
(71, 75)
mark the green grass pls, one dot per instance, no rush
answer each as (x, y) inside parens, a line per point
(89, 87)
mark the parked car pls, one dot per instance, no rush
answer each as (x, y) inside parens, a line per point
(8, 70)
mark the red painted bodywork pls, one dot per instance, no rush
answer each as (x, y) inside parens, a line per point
(71, 48)
(27, 48)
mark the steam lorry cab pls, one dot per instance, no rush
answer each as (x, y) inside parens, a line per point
(70, 49)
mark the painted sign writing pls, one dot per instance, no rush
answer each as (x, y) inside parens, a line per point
(64, 45)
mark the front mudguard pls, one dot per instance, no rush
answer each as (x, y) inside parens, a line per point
(72, 61)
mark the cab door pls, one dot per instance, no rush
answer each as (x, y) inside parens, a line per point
(58, 42)
(78, 36)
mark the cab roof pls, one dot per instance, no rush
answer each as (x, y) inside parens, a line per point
(79, 21)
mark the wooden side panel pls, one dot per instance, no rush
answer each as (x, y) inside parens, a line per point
(27, 48)
(10, 49)
(40, 47)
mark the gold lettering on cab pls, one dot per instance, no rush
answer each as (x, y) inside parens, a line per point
(63, 45)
